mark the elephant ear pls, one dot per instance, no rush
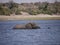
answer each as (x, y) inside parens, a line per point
(33, 24)
(28, 26)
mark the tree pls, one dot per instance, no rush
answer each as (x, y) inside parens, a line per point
(56, 6)
(45, 6)
(12, 4)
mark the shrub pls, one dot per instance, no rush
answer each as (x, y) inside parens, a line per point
(47, 12)
(18, 12)
(39, 11)
(12, 5)
(33, 12)
(40, 7)
(44, 6)
(4, 11)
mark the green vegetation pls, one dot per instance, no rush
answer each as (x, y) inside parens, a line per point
(8, 9)
(32, 9)
(18, 12)
(44, 9)
(43, 6)
(32, 12)
(12, 5)
(4, 11)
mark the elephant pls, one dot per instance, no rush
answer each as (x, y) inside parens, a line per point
(18, 26)
(26, 26)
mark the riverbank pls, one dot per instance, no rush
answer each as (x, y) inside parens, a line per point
(30, 17)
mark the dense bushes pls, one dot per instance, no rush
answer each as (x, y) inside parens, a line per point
(4, 11)
(8, 9)
(47, 12)
(33, 12)
(12, 5)
(18, 12)
(43, 9)
(39, 8)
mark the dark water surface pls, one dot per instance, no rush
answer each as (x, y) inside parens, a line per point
(49, 34)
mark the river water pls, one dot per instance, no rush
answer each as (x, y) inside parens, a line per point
(49, 34)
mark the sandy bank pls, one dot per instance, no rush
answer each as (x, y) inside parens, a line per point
(30, 17)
